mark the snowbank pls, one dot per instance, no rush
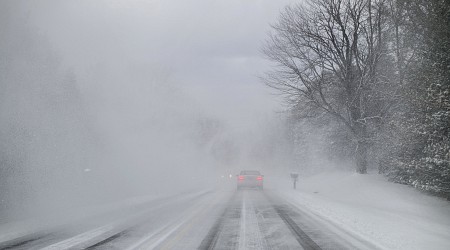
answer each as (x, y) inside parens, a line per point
(391, 216)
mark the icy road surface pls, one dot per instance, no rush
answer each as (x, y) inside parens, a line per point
(228, 219)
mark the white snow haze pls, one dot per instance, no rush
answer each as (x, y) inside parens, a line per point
(181, 124)
(114, 99)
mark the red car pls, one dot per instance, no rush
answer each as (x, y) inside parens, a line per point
(250, 178)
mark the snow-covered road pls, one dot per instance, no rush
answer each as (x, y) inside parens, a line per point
(226, 219)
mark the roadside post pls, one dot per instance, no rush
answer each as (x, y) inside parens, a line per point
(294, 177)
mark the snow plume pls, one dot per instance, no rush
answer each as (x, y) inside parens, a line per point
(104, 100)
(77, 133)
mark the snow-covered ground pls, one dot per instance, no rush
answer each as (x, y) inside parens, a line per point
(335, 210)
(389, 215)
(109, 213)
(16, 229)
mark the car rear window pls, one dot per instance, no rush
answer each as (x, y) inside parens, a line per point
(250, 172)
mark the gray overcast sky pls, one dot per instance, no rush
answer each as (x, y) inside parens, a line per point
(209, 47)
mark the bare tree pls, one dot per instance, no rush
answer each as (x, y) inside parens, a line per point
(326, 54)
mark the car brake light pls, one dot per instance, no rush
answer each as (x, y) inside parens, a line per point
(259, 178)
(241, 177)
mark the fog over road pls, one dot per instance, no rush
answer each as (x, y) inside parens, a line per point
(220, 219)
(134, 124)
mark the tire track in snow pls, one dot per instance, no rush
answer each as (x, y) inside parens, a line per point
(22, 243)
(237, 227)
(211, 239)
(112, 231)
(250, 236)
(305, 241)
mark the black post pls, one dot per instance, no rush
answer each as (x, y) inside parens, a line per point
(294, 177)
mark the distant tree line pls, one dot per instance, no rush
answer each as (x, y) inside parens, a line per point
(377, 74)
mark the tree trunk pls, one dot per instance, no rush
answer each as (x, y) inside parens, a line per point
(361, 157)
